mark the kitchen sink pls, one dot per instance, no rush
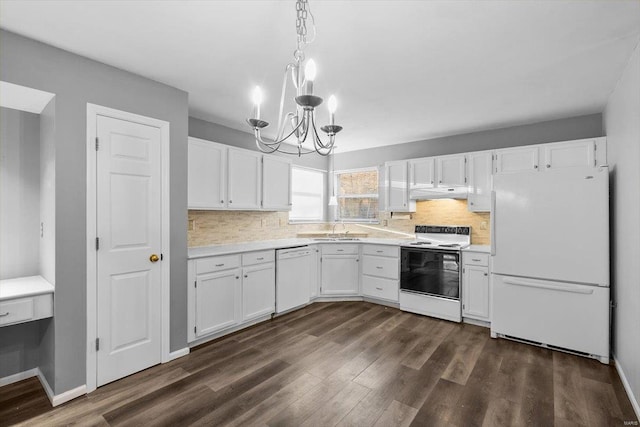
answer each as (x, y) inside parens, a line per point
(336, 239)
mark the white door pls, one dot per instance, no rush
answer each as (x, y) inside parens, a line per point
(570, 154)
(244, 174)
(396, 178)
(258, 290)
(207, 175)
(421, 173)
(451, 171)
(129, 285)
(339, 275)
(217, 301)
(276, 183)
(475, 292)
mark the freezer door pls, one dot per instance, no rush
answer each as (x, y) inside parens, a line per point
(552, 225)
(566, 315)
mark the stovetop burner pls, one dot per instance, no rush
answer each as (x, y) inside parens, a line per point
(419, 243)
(442, 237)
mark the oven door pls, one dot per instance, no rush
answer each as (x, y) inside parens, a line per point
(431, 272)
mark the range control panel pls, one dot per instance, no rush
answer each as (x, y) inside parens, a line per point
(442, 229)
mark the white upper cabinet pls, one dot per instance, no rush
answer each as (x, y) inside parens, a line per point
(450, 171)
(479, 166)
(519, 159)
(276, 183)
(570, 154)
(397, 188)
(206, 174)
(245, 176)
(422, 173)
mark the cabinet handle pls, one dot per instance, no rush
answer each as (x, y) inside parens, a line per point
(4, 314)
(219, 265)
(246, 275)
(339, 250)
(237, 277)
(535, 166)
(379, 252)
(230, 201)
(486, 274)
(378, 288)
(475, 259)
(548, 166)
(440, 182)
(221, 201)
(379, 268)
(471, 203)
(260, 259)
(357, 260)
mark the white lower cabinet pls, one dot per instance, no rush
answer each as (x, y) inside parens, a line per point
(475, 286)
(230, 290)
(217, 297)
(380, 272)
(340, 269)
(258, 291)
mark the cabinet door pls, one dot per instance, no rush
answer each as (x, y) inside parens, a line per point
(422, 173)
(451, 171)
(475, 292)
(217, 301)
(314, 279)
(206, 174)
(570, 154)
(520, 159)
(396, 187)
(245, 176)
(339, 275)
(479, 172)
(258, 291)
(276, 183)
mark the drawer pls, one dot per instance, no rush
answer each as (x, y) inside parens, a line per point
(340, 249)
(208, 265)
(380, 266)
(26, 309)
(381, 250)
(476, 258)
(260, 257)
(380, 288)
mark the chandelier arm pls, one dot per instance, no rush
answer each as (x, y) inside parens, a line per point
(328, 146)
(282, 96)
(258, 137)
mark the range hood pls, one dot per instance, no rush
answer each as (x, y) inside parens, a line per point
(439, 193)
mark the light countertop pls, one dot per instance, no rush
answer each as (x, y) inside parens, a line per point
(234, 248)
(24, 287)
(478, 248)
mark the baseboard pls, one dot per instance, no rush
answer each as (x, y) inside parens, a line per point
(59, 399)
(178, 353)
(627, 387)
(476, 322)
(18, 377)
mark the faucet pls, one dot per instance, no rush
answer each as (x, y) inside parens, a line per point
(334, 228)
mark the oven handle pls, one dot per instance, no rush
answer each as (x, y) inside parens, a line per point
(492, 223)
(529, 284)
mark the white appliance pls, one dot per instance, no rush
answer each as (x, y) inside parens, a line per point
(293, 274)
(550, 258)
(430, 271)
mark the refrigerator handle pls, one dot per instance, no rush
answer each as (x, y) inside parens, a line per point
(493, 223)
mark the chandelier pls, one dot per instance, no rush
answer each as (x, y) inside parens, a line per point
(299, 124)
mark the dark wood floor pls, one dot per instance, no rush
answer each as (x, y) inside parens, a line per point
(347, 364)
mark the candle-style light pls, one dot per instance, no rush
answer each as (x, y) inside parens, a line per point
(310, 75)
(257, 100)
(332, 105)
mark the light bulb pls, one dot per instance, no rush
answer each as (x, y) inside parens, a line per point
(310, 70)
(257, 95)
(333, 104)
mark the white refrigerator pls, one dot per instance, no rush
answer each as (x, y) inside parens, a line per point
(550, 258)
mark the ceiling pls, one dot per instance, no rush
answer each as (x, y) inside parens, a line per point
(402, 70)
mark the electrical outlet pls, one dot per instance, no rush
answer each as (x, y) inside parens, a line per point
(483, 225)
(192, 225)
(385, 223)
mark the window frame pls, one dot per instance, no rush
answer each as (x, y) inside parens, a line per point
(323, 218)
(376, 195)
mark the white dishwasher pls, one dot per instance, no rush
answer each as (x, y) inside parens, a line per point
(293, 274)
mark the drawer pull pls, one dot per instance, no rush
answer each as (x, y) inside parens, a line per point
(476, 259)
(4, 314)
(339, 250)
(378, 267)
(378, 288)
(260, 259)
(219, 265)
(379, 252)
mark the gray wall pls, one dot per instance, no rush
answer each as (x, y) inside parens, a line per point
(19, 193)
(225, 135)
(20, 349)
(48, 192)
(538, 133)
(76, 81)
(622, 124)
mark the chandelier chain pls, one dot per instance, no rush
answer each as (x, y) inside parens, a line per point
(303, 11)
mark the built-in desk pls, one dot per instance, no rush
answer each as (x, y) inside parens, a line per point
(25, 299)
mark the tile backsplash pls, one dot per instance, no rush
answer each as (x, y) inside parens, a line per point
(215, 227)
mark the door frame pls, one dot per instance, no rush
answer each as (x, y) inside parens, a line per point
(93, 111)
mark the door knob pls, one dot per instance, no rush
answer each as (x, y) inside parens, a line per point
(154, 258)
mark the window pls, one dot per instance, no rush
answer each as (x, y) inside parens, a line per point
(357, 193)
(307, 195)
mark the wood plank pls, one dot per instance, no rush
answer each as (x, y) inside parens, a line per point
(338, 406)
(396, 414)
(569, 403)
